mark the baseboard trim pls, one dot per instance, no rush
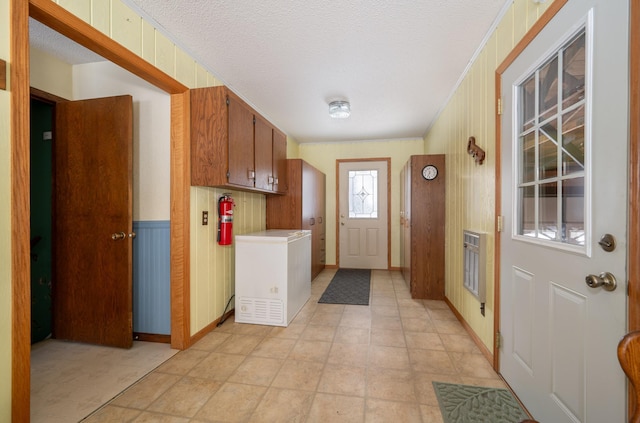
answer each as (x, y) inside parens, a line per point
(152, 337)
(211, 326)
(485, 351)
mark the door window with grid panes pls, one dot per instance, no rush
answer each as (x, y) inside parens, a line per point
(552, 141)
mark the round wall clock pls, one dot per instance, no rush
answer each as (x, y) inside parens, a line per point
(429, 172)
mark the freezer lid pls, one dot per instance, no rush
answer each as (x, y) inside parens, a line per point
(274, 235)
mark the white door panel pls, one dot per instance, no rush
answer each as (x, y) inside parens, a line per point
(363, 215)
(560, 336)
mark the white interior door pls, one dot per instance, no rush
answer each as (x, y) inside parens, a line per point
(564, 167)
(363, 214)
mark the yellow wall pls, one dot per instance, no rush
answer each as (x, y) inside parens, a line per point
(293, 149)
(50, 74)
(5, 225)
(323, 156)
(470, 187)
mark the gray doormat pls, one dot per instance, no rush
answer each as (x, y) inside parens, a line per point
(348, 286)
(477, 404)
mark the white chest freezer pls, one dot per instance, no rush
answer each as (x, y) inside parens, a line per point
(273, 275)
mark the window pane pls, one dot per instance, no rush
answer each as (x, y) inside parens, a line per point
(573, 141)
(548, 150)
(528, 157)
(363, 194)
(528, 98)
(548, 89)
(548, 211)
(573, 211)
(573, 71)
(527, 201)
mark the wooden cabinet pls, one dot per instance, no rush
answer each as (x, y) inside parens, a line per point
(232, 145)
(302, 207)
(422, 224)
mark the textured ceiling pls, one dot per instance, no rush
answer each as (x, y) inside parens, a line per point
(45, 39)
(396, 62)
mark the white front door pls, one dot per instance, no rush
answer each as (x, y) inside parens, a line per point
(363, 214)
(564, 186)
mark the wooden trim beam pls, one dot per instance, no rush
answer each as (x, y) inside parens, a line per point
(3, 74)
(20, 214)
(69, 25)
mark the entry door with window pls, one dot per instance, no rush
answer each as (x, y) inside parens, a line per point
(564, 188)
(363, 223)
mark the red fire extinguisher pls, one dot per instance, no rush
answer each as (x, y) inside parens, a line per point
(225, 219)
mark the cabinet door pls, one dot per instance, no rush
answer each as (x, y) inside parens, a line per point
(263, 145)
(241, 170)
(279, 161)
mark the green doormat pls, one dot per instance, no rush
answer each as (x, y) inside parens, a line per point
(477, 404)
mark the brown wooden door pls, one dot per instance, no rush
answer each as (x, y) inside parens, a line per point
(241, 149)
(92, 295)
(279, 161)
(263, 145)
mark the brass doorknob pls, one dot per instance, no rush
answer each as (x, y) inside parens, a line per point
(118, 236)
(605, 280)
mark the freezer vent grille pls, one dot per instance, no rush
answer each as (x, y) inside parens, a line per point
(261, 310)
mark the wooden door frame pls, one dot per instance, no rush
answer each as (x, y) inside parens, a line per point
(633, 254)
(379, 159)
(62, 21)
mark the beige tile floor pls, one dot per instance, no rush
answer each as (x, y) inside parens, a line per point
(69, 380)
(333, 363)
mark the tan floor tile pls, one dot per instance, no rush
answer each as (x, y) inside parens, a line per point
(183, 362)
(386, 322)
(217, 366)
(256, 371)
(352, 335)
(111, 413)
(302, 375)
(411, 324)
(336, 409)
(330, 308)
(239, 344)
(326, 318)
(394, 385)
(283, 405)
(380, 300)
(349, 354)
(492, 383)
(356, 320)
(186, 397)
(274, 347)
(310, 351)
(388, 357)
(442, 314)
(459, 343)
(473, 365)
(424, 386)
(211, 341)
(149, 417)
(450, 327)
(233, 402)
(387, 337)
(318, 333)
(344, 380)
(431, 361)
(431, 414)
(293, 331)
(383, 411)
(435, 305)
(424, 341)
(146, 390)
(385, 311)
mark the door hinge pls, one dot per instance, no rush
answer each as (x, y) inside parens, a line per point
(228, 102)
(499, 107)
(254, 120)
(228, 175)
(500, 224)
(498, 340)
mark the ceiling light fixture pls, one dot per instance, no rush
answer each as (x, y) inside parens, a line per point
(339, 109)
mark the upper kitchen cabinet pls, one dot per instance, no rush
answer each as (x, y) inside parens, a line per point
(234, 146)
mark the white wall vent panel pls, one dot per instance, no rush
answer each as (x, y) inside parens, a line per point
(475, 264)
(261, 310)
